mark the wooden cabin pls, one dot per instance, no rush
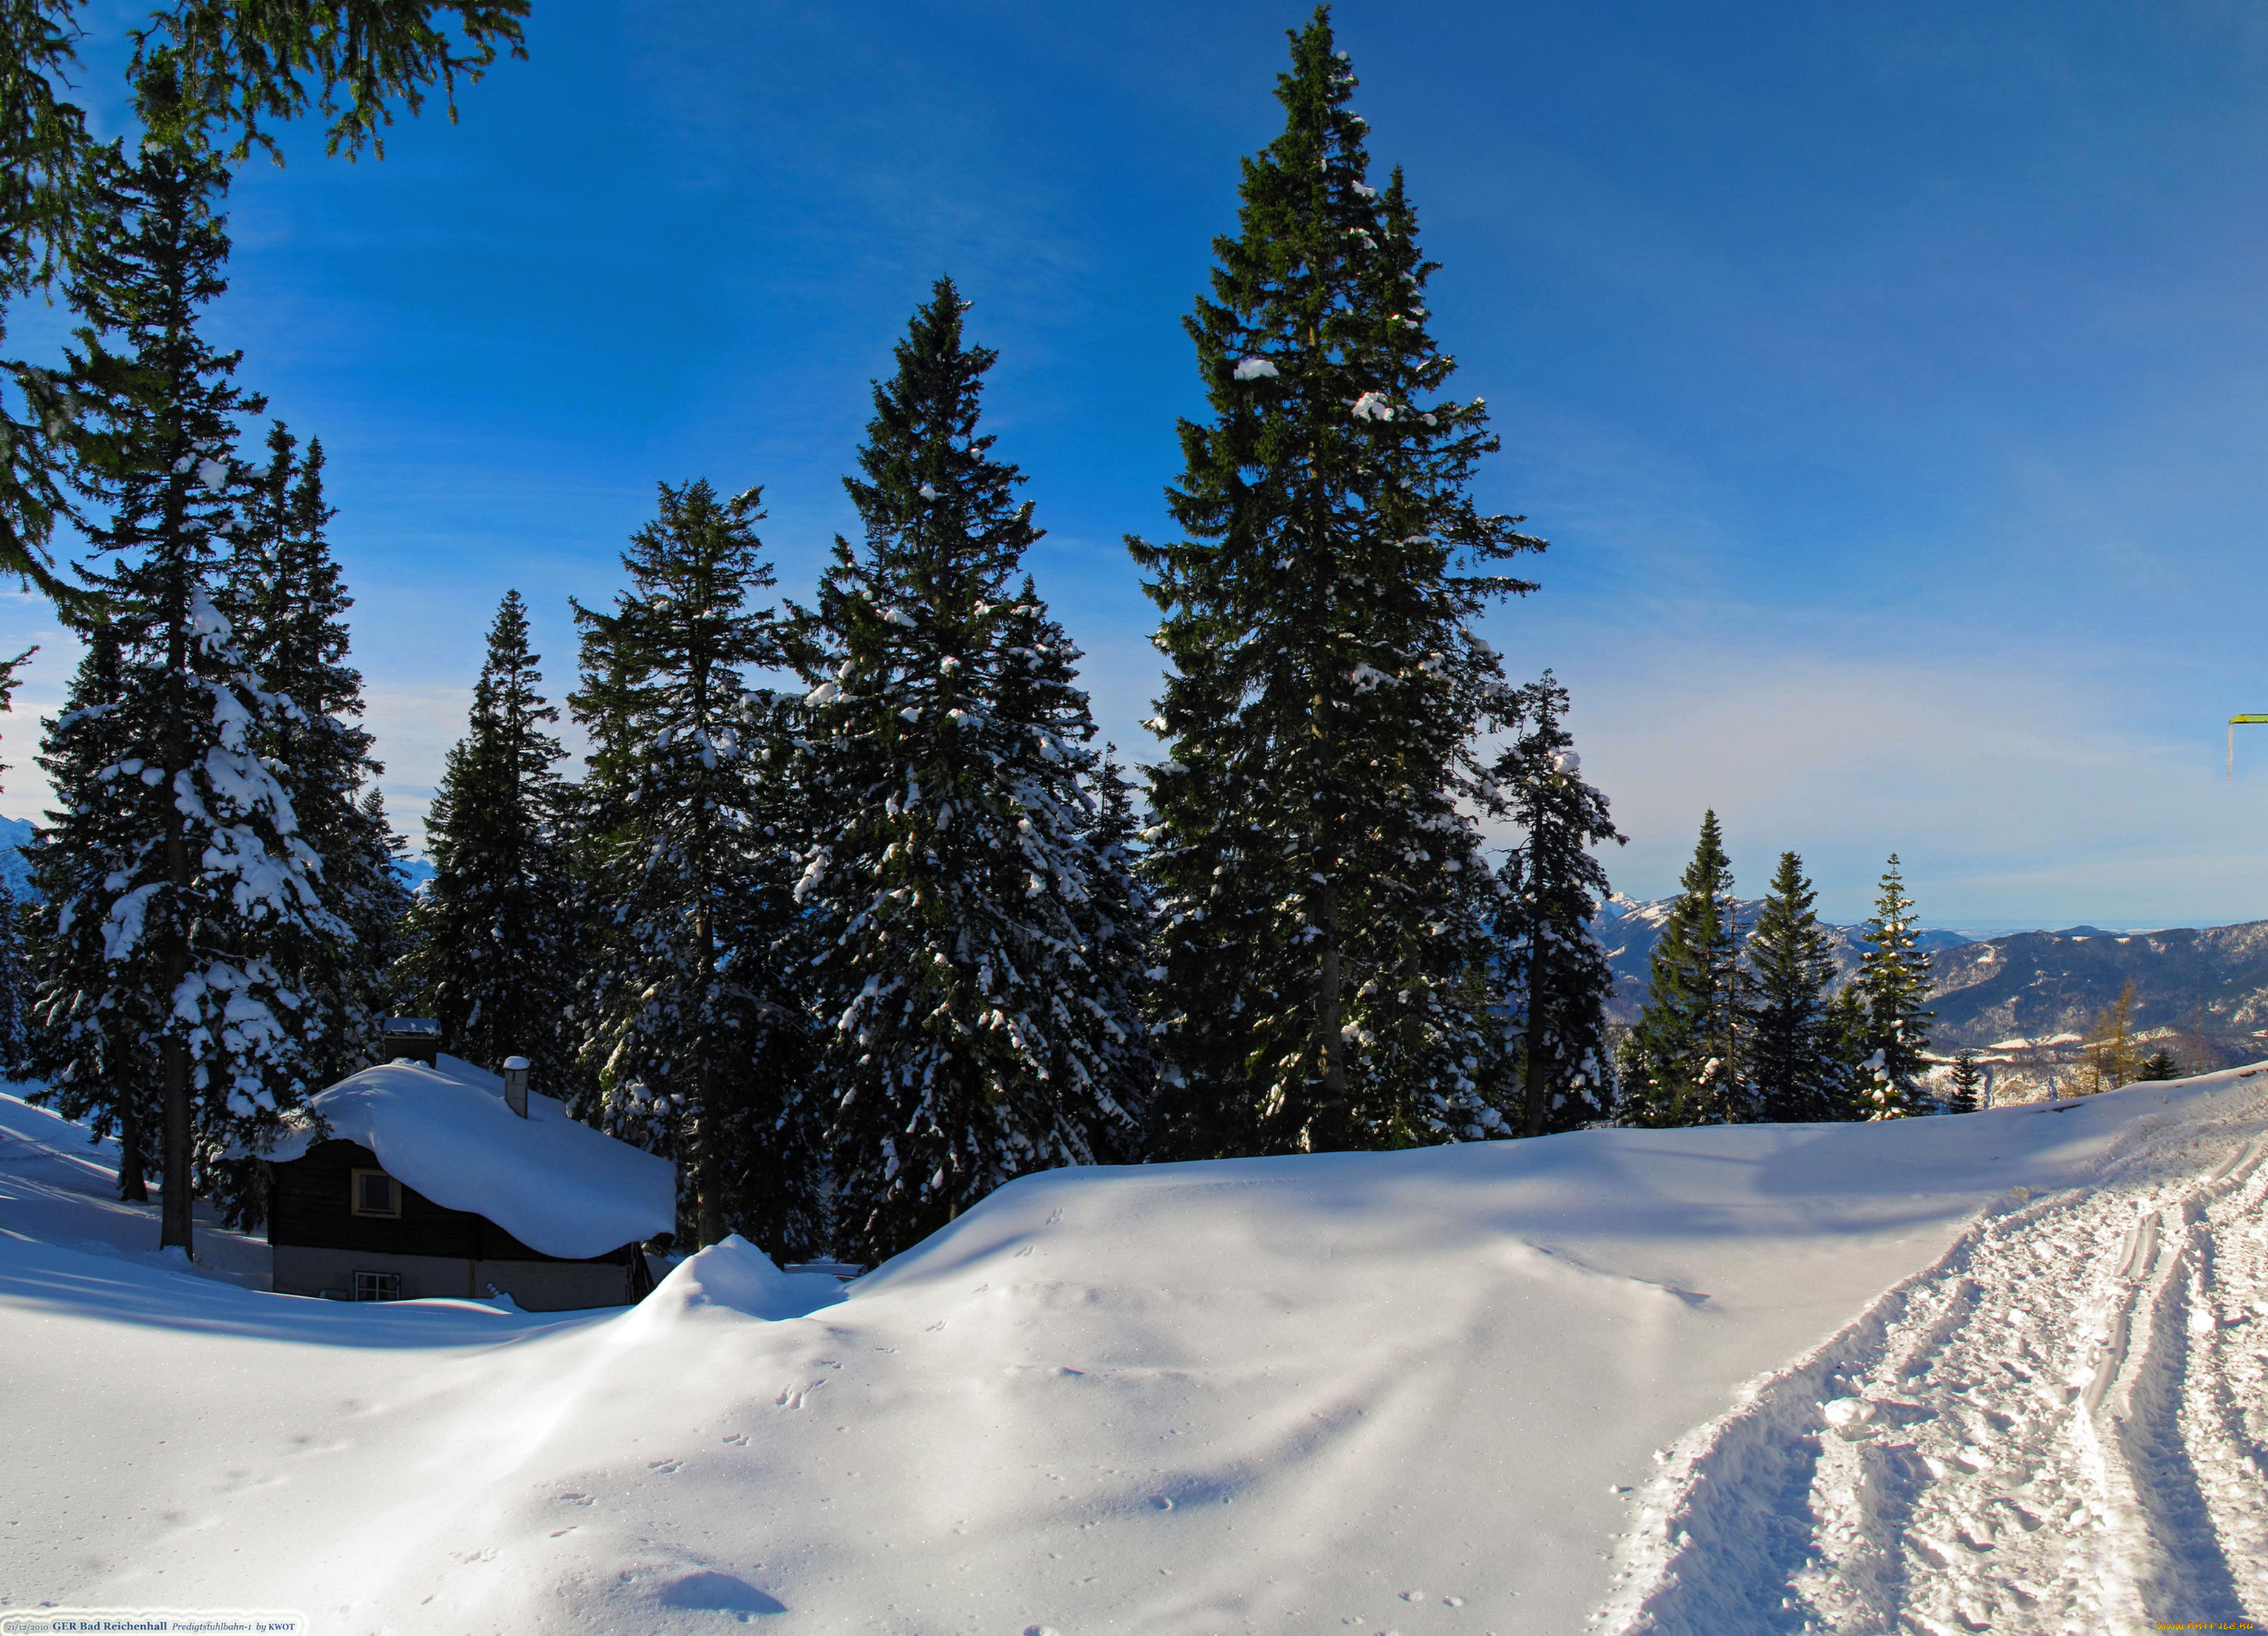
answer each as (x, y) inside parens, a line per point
(341, 1227)
(353, 1213)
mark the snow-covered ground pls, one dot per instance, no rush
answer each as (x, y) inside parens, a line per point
(1998, 1372)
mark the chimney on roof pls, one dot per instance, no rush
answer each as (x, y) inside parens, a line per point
(515, 1085)
(416, 1038)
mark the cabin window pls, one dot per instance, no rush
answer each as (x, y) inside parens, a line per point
(378, 1285)
(375, 1193)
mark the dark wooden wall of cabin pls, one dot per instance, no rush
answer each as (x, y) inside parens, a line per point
(310, 1205)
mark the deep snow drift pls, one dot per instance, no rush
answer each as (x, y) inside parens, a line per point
(1998, 1371)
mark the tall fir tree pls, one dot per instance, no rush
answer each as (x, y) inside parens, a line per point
(1794, 1063)
(1323, 936)
(20, 924)
(695, 1029)
(1682, 1060)
(974, 928)
(492, 951)
(1555, 971)
(1891, 991)
(289, 602)
(212, 877)
(94, 1042)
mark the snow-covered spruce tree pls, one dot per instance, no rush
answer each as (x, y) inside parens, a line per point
(1322, 940)
(1794, 1067)
(212, 877)
(1892, 987)
(697, 1034)
(1554, 971)
(20, 924)
(1126, 902)
(1682, 1060)
(493, 951)
(1961, 1094)
(96, 1044)
(289, 603)
(2158, 1066)
(975, 942)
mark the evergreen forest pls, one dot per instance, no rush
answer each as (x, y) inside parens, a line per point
(848, 911)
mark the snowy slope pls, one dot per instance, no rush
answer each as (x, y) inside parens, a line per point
(1588, 1382)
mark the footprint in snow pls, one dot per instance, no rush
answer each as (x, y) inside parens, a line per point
(665, 1466)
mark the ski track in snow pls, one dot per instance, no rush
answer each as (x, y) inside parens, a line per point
(2060, 1427)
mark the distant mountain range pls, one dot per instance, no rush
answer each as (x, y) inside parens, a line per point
(1627, 929)
(15, 875)
(2205, 992)
(2028, 1000)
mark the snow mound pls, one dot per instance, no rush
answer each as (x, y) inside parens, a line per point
(551, 1182)
(734, 1275)
(1992, 1372)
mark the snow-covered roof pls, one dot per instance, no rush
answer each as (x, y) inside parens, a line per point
(554, 1184)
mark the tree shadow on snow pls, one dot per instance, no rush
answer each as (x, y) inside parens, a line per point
(720, 1593)
(117, 1289)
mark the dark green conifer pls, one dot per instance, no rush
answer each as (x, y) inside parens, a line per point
(1891, 988)
(1323, 938)
(975, 935)
(1961, 1096)
(213, 882)
(1793, 1060)
(695, 1035)
(493, 955)
(1681, 1059)
(1555, 971)
(94, 1045)
(2161, 1064)
(290, 603)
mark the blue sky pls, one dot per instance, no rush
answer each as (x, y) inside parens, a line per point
(1891, 381)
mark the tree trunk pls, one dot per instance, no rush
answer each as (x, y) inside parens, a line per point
(1331, 1127)
(708, 1166)
(133, 1185)
(1538, 1079)
(176, 1224)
